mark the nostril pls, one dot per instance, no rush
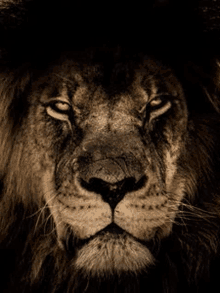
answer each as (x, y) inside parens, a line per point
(95, 184)
(140, 183)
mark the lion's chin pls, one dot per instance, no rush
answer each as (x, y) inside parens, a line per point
(111, 254)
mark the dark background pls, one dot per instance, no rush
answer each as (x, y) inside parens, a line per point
(183, 29)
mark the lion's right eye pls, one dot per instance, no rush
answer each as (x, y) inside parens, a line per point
(58, 110)
(61, 107)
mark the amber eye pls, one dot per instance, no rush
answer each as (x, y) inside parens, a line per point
(61, 107)
(159, 106)
(156, 102)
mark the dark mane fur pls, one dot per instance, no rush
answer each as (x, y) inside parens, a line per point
(187, 261)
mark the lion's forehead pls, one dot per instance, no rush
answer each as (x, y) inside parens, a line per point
(133, 85)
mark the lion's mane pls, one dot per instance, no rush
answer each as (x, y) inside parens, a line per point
(31, 260)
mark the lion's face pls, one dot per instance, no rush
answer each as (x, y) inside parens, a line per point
(106, 156)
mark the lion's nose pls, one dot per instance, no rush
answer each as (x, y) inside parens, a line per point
(111, 193)
(111, 179)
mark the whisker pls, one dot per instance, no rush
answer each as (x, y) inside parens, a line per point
(42, 210)
(193, 208)
(54, 228)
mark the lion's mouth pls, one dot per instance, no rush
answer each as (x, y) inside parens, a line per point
(112, 231)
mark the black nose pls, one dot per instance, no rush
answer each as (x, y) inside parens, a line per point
(113, 193)
(112, 178)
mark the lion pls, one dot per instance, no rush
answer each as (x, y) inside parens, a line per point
(109, 180)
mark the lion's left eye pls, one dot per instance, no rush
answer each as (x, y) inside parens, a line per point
(156, 102)
(159, 106)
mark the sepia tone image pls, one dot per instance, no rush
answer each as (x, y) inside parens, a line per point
(109, 147)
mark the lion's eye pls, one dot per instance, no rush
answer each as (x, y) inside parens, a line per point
(58, 110)
(61, 107)
(159, 106)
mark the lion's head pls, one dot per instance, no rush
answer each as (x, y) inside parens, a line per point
(108, 159)
(106, 175)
